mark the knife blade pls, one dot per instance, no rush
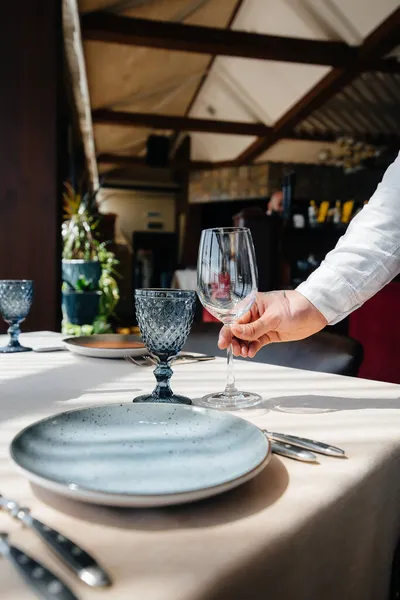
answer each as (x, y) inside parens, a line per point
(308, 444)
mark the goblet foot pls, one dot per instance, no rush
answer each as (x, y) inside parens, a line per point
(173, 399)
(14, 348)
(233, 401)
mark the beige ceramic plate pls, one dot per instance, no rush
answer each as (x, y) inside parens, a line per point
(106, 345)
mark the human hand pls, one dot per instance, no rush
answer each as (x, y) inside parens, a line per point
(283, 316)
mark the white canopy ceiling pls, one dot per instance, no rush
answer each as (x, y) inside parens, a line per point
(256, 90)
(136, 79)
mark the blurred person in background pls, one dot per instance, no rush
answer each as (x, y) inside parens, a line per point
(275, 204)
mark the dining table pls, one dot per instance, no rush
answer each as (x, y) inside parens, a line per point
(325, 531)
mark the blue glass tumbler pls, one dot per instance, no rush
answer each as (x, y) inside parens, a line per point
(15, 303)
(165, 317)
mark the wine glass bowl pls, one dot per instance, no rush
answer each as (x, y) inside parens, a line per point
(165, 317)
(227, 286)
(227, 277)
(15, 303)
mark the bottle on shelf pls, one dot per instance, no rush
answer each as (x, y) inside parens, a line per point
(347, 211)
(323, 212)
(337, 214)
(288, 192)
(312, 214)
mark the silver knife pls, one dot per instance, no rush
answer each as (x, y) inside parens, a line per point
(72, 555)
(308, 444)
(43, 582)
(291, 451)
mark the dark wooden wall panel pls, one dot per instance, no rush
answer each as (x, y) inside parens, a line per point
(30, 51)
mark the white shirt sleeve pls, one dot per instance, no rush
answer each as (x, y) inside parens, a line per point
(365, 259)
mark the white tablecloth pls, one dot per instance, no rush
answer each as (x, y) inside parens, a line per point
(324, 532)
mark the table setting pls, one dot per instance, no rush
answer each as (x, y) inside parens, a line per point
(157, 485)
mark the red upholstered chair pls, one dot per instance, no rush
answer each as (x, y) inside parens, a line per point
(377, 326)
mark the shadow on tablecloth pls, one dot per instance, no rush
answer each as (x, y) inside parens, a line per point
(33, 392)
(244, 501)
(316, 403)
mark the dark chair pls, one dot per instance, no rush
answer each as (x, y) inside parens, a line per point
(325, 351)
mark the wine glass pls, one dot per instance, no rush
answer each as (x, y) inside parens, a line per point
(165, 317)
(15, 303)
(227, 287)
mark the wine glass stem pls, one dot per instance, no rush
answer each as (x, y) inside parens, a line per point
(13, 331)
(163, 374)
(230, 379)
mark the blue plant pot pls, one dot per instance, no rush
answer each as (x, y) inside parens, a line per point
(80, 308)
(72, 270)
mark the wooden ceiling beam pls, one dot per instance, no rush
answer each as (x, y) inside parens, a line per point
(379, 43)
(385, 65)
(166, 35)
(386, 140)
(139, 161)
(167, 122)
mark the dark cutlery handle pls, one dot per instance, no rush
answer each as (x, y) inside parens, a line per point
(43, 582)
(77, 559)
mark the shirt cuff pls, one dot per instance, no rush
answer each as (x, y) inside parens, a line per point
(329, 293)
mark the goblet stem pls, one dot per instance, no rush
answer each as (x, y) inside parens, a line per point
(163, 373)
(14, 331)
(230, 388)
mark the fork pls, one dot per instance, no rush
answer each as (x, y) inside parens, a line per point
(147, 360)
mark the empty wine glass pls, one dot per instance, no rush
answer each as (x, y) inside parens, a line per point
(165, 317)
(15, 303)
(227, 287)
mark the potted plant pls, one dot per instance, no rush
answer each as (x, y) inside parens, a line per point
(90, 290)
(80, 252)
(81, 304)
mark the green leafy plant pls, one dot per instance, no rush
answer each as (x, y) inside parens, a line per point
(79, 225)
(108, 283)
(100, 325)
(83, 285)
(80, 242)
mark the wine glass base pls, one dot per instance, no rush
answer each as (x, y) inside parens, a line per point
(13, 349)
(174, 399)
(224, 401)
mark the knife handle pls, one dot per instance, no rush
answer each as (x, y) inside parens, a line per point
(39, 578)
(77, 559)
(291, 451)
(308, 444)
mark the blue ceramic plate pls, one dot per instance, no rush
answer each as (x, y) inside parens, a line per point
(140, 454)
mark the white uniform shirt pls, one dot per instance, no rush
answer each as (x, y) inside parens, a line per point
(365, 259)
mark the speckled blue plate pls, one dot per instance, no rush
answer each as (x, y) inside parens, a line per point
(140, 454)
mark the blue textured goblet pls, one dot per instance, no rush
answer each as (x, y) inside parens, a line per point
(165, 317)
(15, 303)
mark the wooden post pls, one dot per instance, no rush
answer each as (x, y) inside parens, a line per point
(188, 215)
(30, 191)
